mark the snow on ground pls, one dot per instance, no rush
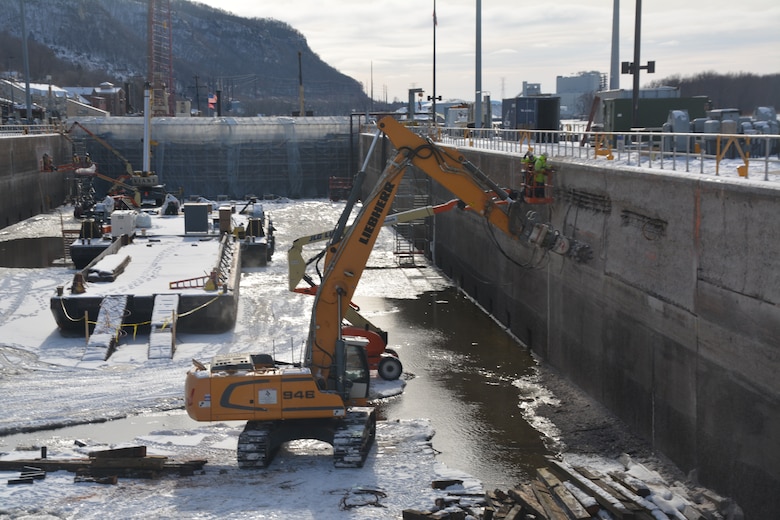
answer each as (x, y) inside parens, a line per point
(45, 384)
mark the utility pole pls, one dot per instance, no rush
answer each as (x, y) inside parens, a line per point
(478, 67)
(197, 94)
(634, 68)
(300, 85)
(28, 96)
(614, 75)
(433, 98)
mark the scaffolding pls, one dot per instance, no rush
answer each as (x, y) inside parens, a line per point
(412, 238)
(263, 156)
(160, 56)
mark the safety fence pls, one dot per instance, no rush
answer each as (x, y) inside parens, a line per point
(9, 130)
(755, 156)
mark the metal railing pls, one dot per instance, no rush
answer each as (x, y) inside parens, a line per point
(10, 130)
(753, 155)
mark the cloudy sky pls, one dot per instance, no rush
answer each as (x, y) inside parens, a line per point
(522, 40)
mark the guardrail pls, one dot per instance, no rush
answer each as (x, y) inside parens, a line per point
(30, 129)
(753, 155)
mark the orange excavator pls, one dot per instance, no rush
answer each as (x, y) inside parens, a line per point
(327, 396)
(380, 358)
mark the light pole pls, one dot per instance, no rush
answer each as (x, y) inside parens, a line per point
(634, 68)
(433, 97)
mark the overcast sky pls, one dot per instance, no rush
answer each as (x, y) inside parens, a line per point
(522, 40)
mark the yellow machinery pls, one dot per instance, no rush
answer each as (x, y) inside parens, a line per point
(327, 397)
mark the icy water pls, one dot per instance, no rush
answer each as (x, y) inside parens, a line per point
(464, 372)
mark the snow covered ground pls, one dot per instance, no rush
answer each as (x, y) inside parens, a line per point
(44, 384)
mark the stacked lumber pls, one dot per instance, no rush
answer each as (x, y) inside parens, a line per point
(562, 491)
(103, 466)
(566, 492)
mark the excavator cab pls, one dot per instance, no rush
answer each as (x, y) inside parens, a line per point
(356, 372)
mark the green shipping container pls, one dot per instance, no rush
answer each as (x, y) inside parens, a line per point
(652, 113)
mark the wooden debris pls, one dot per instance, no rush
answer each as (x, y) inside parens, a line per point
(444, 484)
(110, 479)
(28, 475)
(573, 507)
(551, 508)
(103, 466)
(564, 492)
(588, 502)
(14, 481)
(118, 453)
(527, 501)
(604, 498)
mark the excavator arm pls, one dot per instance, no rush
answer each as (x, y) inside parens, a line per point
(297, 265)
(346, 258)
(501, 209)
(128, 167)
(115, 183)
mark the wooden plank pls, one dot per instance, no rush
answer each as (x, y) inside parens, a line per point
(624, 498)
(15, 481)
(637, 486)
(74, 465)
(648, 510)
(154, 463)
(551, 508)
(117, 453)
(35, 475)
(588, 502)
(529, 502)
(606, 500)
(570, 504)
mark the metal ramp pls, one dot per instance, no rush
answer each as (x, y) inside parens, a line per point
(104, 338)
(68, 237)
(162, 338)
(411, 238)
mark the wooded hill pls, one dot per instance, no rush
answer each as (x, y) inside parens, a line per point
(84, 43)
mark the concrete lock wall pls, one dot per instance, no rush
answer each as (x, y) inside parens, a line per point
(25, 191)
(673, 325)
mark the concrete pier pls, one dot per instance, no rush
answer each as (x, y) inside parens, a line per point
(673, 325)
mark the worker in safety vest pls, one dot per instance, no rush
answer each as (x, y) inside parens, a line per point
(540, 176)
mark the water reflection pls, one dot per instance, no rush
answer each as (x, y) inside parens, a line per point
(463, 365)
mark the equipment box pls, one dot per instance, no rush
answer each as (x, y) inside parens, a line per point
(196, 217)
(122, 223)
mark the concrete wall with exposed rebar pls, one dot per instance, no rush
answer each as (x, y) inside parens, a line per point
(673, 325)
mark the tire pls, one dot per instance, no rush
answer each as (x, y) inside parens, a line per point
(390, 368)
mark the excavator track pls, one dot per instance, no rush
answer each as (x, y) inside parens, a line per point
(254, 445)
(353, 438)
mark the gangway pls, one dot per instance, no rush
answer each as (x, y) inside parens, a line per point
(411, 237)
(162, 337)
(102, 343)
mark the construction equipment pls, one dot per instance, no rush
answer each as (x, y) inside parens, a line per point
(380, 358)
(85, 198)
(136, 178)
(326, 397)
